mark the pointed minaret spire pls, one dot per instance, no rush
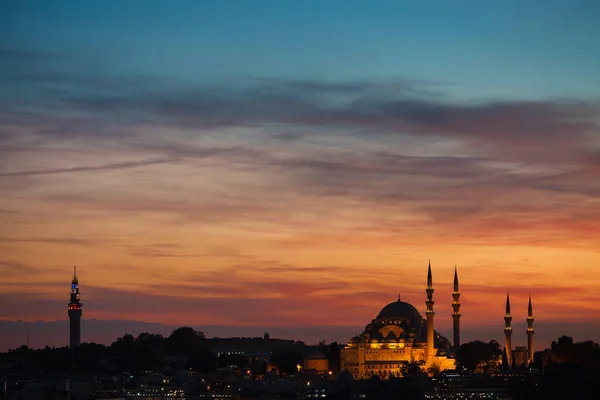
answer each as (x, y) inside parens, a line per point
(530, 333)
(399, 297)
(508, 331)
(429, 278)
(430, 313)
(456, 311)
(530, 308)
(455, 279)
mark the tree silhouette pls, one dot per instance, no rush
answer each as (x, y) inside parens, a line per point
(433, 370)
(495, 348)
(412, 369)
(186, 341)
(334, 356)
(470, 355)
(287, 362)
(146, 352)
(332, 352)
(149, 350)
(123, 349)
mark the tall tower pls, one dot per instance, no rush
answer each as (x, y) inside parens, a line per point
(75, 310)
(430, 313)
(530, 333)
(508, 331)
(455, 311)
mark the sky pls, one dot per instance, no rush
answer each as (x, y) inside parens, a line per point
(256, 165)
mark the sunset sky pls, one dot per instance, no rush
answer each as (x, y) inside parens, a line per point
(297, 163)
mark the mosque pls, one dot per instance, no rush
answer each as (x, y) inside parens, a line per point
(399, 335)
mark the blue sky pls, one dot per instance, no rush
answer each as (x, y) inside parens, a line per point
(485, 49)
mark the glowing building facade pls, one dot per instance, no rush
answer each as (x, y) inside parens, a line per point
(397, 336)
(521, 355)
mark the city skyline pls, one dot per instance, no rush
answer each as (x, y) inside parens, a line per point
(13, 331)
(282, 165)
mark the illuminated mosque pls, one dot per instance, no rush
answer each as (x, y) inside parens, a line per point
(399, 335)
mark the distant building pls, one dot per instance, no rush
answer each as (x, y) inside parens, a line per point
(253, 347)
(75, 308)
(316, 362)
(399, 335)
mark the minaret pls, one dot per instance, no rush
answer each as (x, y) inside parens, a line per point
(455, 311)
(508, 331)
(75, 311)
(430, 313)
(530, 333)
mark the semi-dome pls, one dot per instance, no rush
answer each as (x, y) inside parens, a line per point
(375, 337)
(390, 338)
(355, 339)
(399, 309)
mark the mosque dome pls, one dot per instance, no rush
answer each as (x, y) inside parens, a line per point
(399, 309)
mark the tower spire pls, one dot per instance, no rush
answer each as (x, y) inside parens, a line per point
(530, 333)
(508, 331)
(75, 310)
(456, 311)
(430, 313)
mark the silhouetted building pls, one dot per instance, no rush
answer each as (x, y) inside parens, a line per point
(316, 362)
(75, 311)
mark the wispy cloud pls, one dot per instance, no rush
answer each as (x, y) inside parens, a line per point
(121, 165)
(51, 240)
(12, 266)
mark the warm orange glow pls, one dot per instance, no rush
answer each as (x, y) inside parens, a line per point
(243, 241)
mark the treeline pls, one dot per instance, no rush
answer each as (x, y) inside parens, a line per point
(571, 370)
(478, 356)
(185, 346)
(564, 350)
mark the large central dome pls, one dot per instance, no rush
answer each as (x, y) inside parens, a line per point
(399, 309)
